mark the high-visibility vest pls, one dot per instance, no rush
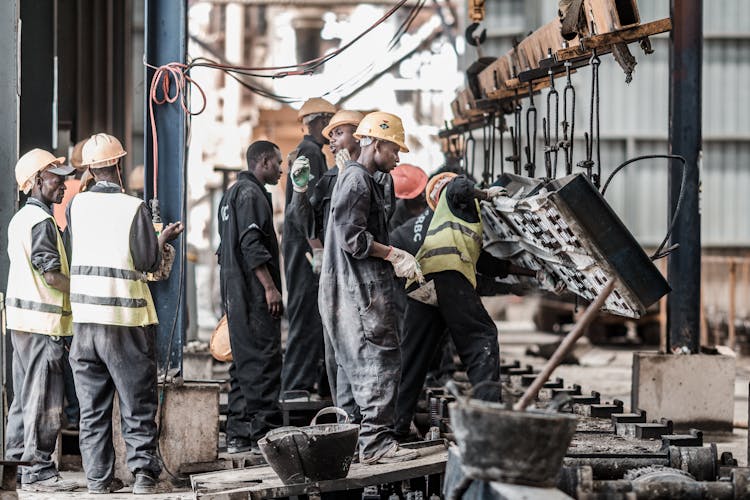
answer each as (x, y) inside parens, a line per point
(451, 243)
(31, 304)
(105, 287)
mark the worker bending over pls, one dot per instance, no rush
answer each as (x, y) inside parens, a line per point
(37, 317)
(250, 283)
(113, 244)
(448, 246)
(303, 359)
(357, 286)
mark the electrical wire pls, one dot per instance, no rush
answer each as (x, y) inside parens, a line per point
(658, 254)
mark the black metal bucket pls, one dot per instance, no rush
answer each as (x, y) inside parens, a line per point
(317, 452)
(498, 444)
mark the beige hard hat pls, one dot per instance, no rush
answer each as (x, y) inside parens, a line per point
(315, 106)
(102, 150)
(35, 161)
(219, 345)
(435, 187)
(343, 117)
(384, 126)
(76, 156)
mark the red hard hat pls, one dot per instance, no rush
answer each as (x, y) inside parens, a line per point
(408, 181)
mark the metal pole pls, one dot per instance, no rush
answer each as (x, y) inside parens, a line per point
(685, 65)
(166, 41)
(9, 110)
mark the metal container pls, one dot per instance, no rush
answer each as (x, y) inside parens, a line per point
(498, 444)
(317, 452)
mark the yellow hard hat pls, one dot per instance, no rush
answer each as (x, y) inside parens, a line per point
(385, 126)
(435, 187)
(35, 161)
(102, 150)
(343, 117)
(314, 106)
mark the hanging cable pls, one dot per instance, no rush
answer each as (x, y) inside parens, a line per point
(501, 129)
(469, 139)
(530, 166)
(493, 137)
(568, 127)
(660, 252)
(486, 151)
(550, 145)
(515, 135)
(593, 134)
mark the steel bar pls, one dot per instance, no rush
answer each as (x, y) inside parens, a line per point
(685, 61)
(565, 346)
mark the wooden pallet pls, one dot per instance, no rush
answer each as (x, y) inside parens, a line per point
(262, 482)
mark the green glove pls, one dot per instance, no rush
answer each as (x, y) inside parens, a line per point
(300, 174)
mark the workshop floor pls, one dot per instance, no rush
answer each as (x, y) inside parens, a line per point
(606, 369)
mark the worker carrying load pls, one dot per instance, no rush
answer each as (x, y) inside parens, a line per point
(38, 317)
(447, 240)
(357, 283)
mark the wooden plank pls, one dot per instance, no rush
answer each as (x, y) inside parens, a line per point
(606, 40)
(262, 482)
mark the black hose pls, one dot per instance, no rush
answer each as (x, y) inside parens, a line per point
(658, 253)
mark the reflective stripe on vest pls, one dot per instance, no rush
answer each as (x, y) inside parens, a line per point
(105, 287)
(31, 304)
(451, 244)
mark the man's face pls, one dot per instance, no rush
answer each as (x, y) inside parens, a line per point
(52, 187)
(316, 127)
(342, 138)
(272, 168)
(386, 155)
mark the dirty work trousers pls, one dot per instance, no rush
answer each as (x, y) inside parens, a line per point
(474, 334)
(255, 371)
(106, 359)
(303, 359)
(35, 416)
(363, 332)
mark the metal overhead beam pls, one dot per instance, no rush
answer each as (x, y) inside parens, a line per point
(166, 41)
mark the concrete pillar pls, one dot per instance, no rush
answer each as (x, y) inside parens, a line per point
(307, 24)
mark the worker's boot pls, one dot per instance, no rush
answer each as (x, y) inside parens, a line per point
(50, 485)
(145, 483)
(114, 485)
(395, 454)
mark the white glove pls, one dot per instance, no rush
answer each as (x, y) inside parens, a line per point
(300, 174)
(317, 260)
(342, 157)
(549, 282)
(495, 191)
(404, 264)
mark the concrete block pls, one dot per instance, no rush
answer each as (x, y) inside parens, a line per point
(197, 366)
(691, 390)
(190, 428)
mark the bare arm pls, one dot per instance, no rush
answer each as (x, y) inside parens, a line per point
(379, 250)
(273, 296)
(57, 280)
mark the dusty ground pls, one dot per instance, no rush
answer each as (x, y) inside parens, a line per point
(606, 369)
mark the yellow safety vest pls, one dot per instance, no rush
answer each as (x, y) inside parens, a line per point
(31, 304)
(451, 243)
(105, 287)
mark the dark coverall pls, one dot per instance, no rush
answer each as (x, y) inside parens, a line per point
(38, 362)
(356, 304)
(459, 310)
(248, 240)
(109, 358)
(303, 360)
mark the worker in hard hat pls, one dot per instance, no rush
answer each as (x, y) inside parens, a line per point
(357, 283)
(447, 241)
(113, 243)
(38, 317)
(409, 182)
(303, 359)
(250, 290)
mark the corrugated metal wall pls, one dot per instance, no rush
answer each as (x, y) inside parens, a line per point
(634, 117)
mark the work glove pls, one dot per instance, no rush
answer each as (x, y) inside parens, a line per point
(549, 282)
(300, 174)
(495, 191)
(404, 264)
(342, 157)
(317, 260)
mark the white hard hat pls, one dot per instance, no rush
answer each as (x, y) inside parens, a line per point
(102, 150)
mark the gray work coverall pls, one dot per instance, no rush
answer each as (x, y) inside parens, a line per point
(356, 304)
(106, 359)
(35, 415)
